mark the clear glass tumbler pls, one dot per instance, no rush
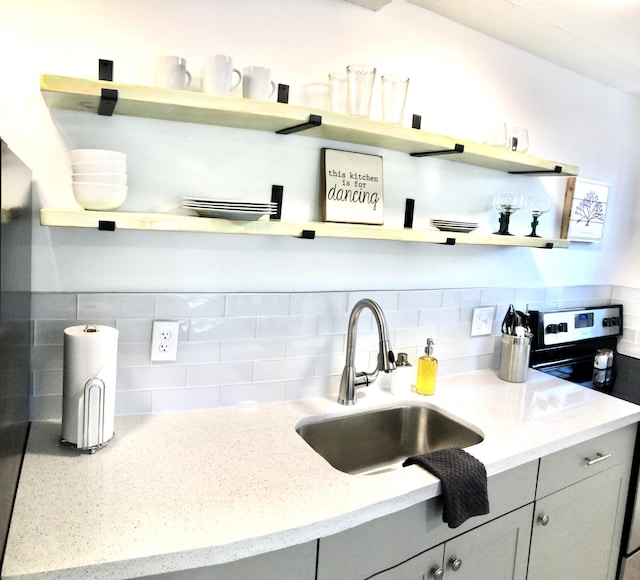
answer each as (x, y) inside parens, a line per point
(394, 97)
(360, 78)
(338, 93)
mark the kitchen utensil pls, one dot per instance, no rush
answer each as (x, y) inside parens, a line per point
(98, 167)
(394, 97)
(257, 83)
(506, 204)
(105, 178)
(338, 93)
(217, 75)
(97, 156)
(537, 204)
(360, 78)
(99, 196)
(172, 73)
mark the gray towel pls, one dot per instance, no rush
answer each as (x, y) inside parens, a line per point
(464, 483)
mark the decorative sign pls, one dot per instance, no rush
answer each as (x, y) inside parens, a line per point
(352, 187)
(585, 206)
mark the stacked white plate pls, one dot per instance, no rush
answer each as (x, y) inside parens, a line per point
(454, 226)
(99, 178)
(228, 209)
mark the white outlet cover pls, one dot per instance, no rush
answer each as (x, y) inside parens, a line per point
(482, 320)
(164, 340)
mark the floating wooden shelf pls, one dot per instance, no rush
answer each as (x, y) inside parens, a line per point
(117, 220)
(139, 101)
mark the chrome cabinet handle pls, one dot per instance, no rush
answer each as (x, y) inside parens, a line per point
(437, 573)
(455, 563)
(597, 459)
(543, 519)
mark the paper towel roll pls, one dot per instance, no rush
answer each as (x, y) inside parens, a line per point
(89, 385)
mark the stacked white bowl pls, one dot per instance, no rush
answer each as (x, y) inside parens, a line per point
(99, 178)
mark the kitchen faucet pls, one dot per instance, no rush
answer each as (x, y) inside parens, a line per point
(386, 361)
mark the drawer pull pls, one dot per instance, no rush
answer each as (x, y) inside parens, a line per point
(597, 459)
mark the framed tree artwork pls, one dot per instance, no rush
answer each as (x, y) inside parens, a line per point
(585, 208)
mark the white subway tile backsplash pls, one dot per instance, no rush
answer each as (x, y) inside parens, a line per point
(283, 326)
(172, 306)
(256, 347)
(257, 304)
(103, 306)
(49, 306)
(252, 349)
(222, 328)
(220, 374)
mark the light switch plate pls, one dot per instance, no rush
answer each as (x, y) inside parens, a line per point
(482, 320)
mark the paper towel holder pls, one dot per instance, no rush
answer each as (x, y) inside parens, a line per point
(90, 386)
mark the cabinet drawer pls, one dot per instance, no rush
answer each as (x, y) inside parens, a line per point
(385, 542)
(571, 465)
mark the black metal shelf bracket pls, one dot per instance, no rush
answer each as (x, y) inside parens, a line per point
(314, 121)
(108, 101)
(105, 69)
(556, 170)
(106, 226)
(283, 93)
(457, 149)
(409, 205)
(277, 192)
(308, 234)
(549, 246)
(416, 121)
(450, 242)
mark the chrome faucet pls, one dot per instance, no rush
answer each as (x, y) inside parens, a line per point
(386, 360)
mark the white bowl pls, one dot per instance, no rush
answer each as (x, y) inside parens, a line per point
(106, 178)
(86, 155)
(99, 167)
(99, 196)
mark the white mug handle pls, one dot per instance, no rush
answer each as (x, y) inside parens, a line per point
(273, 89)
(188, 75)
(235, 70)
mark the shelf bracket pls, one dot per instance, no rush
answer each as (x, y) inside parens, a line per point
(416, 121)
(409, 205)
(108, 100)
(314, 121)
(457, 149)
(107, 226)
(449, 242)
(308, 234)
(549, 246)
(277, 192)
(105, 69)
(557, 169)
(283, 93)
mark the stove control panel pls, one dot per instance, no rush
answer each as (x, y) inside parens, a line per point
(565, 326)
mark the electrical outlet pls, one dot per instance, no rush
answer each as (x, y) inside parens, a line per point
(164, 340)
(482, 320)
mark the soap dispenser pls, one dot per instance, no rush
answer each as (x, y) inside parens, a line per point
(427, 370)
(402, 377)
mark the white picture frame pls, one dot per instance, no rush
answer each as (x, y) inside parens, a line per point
(352, 187)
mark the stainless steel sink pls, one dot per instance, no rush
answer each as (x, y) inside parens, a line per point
(379, 440)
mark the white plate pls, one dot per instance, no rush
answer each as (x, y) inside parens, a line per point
(457, 229)
(228, 203)
(229, 214)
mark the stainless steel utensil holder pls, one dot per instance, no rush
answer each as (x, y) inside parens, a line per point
(514, 358)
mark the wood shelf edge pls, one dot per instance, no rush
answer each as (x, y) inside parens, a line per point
(54, 217)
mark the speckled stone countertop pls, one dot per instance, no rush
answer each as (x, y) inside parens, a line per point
(182, 490)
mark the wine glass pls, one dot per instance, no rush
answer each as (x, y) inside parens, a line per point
(506, 204)
(536, 204)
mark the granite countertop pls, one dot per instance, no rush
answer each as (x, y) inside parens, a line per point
(188, 489)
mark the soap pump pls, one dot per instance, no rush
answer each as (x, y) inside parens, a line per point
(402, 377)
(427, 370)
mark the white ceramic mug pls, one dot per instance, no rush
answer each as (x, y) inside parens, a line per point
(172, 73)
(217, 75)
(257, 83)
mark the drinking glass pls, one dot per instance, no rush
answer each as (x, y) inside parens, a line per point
(518, 139)
(394, 97)
(506, 204)
(360, 79)
(338, 92)
(536, 204)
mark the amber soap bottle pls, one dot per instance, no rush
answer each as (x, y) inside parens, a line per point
(427, 370)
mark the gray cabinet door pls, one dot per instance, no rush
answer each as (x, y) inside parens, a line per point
(581, 537)
(496, 551)
(420, 567)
